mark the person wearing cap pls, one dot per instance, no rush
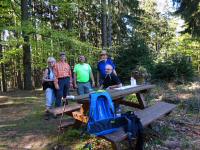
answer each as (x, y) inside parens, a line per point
(82, 75)
(104, 60)
(63, 78)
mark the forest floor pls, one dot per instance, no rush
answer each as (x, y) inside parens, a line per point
(22, 124)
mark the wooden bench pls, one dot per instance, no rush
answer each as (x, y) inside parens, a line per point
(68, 109)
(147, 116)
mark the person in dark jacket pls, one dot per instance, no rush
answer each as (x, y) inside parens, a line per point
(111, 80)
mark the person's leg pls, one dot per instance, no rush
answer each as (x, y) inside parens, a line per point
(49, 97)
(66, 87)
(53, 97)
(59, 93)
(80, 89)
(87, 88)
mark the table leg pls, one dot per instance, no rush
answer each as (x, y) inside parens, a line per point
(141, 100)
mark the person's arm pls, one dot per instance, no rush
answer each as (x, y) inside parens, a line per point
(114, 71)
(92, 78)
(115, 86)
(98, 84)
(101, 87)
(114, 67)
(55, 70)
(70, 75)
(75, 84)
(45, 75)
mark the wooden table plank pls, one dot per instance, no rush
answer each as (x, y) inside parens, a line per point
(116, 94)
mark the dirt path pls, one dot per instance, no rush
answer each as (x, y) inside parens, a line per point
(22, 125)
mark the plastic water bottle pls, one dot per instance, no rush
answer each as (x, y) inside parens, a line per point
(118, 112)
(70, 97)
(133, 82)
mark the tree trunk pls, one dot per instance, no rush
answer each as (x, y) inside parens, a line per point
(4, 84)
(110, 25)
(104, 25)
(26, 46)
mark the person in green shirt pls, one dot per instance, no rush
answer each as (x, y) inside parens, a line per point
(82, 75)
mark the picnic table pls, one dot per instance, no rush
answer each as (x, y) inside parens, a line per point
(147, 114)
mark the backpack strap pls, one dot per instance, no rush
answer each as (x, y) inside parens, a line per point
(129, 134)
(134, 122)
(49, 71)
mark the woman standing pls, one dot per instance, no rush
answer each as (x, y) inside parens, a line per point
(48, 85)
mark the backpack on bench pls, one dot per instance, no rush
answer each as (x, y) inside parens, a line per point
(102, 119)
(101, 114)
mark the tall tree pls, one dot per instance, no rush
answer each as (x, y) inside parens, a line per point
(190, 12)
(110, 23)
(104, 24)
(26, 45)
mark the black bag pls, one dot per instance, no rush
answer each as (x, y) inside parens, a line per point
(133, 127)
(48, 84)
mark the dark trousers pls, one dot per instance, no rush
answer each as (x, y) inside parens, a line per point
(64, 84)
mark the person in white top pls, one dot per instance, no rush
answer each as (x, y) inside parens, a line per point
(48, 84)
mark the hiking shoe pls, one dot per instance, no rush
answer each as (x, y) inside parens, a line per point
(46, 116)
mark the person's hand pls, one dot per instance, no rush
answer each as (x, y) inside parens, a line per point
(98, 84)
(57, 87)
(108, 88)
(75, 85)
(71, 85)
(93, 84)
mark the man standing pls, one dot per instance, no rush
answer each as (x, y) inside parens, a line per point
(82, 75)
(111, 80)
(102, 65)
(63, 78)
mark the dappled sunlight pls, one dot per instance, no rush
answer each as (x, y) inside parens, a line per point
(7, 125)
(33, 141)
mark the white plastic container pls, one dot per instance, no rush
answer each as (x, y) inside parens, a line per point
(133, 82)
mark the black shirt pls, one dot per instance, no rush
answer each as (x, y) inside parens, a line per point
(110, 79)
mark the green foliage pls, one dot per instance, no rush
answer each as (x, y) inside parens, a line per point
(132, 54)
(190, 12)
(175, 66)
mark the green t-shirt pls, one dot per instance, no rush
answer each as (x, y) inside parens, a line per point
(82, 72)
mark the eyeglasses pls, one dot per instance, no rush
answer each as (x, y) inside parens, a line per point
(50, 62)
(108, 69)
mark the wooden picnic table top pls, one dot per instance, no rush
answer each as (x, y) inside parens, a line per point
(117, 93)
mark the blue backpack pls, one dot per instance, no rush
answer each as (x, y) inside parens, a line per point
(101, 114)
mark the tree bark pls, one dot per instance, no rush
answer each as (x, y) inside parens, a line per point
(110, 25)
(4, 84)
(26, 46)
(104, 25)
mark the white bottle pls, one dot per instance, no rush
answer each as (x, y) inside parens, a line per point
(133, 82)
(118, 113)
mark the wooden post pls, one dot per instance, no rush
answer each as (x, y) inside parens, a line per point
(141, 100)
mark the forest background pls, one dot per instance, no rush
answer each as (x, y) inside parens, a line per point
(134, 32)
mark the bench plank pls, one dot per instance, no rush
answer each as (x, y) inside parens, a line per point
(66, 123)
(147, 116)
(154, 112)
(68, 109)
